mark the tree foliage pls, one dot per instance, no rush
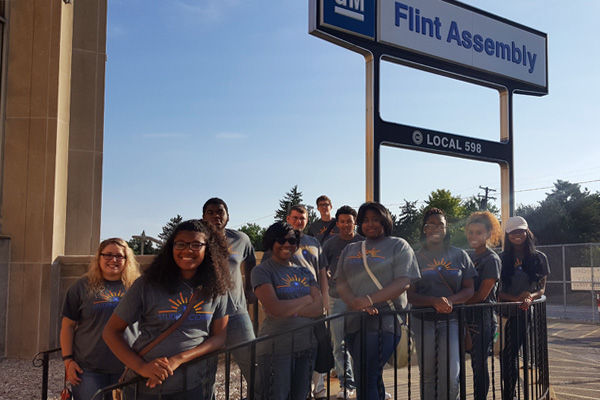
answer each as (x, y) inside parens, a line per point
(168, 228)
(135, 243)
(292, 198)
(568, 214)
(255, 233)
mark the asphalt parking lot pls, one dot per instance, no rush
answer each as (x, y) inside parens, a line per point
(574, 355)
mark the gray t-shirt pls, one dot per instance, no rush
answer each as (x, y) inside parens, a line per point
(289, 283)
(332, 249)
(389, 258)
(520, 280)
(319, 227)
(156, 310)
(240, 250)
(91, 312)
(488, 266)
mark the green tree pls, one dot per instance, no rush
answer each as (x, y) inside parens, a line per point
(135, 243)
(292, 198)
(408, 223)
(566, 215)
(168, 228)
(443, 199)
(255, 233)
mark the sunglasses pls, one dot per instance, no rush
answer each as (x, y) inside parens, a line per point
(291, 241)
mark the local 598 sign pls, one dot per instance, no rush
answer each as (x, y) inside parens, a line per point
(448, 31)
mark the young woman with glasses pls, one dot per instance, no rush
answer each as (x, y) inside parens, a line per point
(88, 305)
(523, 279)
(193, 260)
(446, 279)
(291, 298)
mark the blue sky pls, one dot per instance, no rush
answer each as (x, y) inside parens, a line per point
(235, 99)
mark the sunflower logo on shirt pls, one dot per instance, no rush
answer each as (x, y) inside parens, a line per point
(178, 307)
(293, 284)
(108, 299)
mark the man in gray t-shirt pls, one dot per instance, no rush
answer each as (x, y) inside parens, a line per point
(241, 255)
(345, 218)
(324, 228)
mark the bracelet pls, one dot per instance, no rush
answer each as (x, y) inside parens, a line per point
(370, 299)
(69, 357)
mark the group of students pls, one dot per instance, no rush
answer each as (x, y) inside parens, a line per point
(367, 270)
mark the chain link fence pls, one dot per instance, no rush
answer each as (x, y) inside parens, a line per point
(573, 286)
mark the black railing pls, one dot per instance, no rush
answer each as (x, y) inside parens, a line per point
(521, 353)
(42, 359)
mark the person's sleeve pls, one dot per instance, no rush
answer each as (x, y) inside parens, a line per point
(406, 264)
(470, 272)
(259, 276)
(72, 302)
(249, 255)
(491, 268)
(545, 264)
(221, 307)
(132, 304)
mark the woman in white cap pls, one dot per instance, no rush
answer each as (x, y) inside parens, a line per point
(523, 279)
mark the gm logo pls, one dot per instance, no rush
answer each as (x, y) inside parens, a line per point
(352, 16)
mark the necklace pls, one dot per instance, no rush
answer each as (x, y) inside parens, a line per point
(191, 288)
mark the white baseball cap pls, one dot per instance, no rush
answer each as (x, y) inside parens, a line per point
(515, 223)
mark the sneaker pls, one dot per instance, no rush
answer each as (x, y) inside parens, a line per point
(345, 394)
(387, 396)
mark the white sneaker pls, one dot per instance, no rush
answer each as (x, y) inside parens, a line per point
(345, 394)
(387, 396)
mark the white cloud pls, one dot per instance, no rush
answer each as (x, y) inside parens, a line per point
(230, 135)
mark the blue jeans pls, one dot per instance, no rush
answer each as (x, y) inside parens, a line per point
(514, 337)
(91, 382)
(284, 376)
(439, 359)
(239, 330)
(483, 325)
(379, 347)
(343, 360)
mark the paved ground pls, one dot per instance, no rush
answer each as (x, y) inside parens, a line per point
(574, 353)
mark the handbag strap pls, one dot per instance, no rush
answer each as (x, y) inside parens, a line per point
(328, 230)
(175, 325)
(373, 277)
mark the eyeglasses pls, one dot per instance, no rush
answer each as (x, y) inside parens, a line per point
(291, 241)
(193, 245)
(110, 256)
(435, 227)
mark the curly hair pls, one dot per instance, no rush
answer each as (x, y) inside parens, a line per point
(491, 224)
(213, 273)
(428, 213)
(131, 272)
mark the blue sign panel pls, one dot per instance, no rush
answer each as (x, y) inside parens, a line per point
(354, 16)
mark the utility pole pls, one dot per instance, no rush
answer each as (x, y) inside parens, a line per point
(483, 202)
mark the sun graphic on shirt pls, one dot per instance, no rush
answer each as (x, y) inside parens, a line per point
(231, 252)
(518, 263)
(439, 264)
(373, 253)
(110, 297)
(294, 281)
(179, 305)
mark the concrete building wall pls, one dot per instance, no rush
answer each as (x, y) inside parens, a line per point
(51, 172)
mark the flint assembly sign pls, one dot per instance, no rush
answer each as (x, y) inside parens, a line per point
(449, 31)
